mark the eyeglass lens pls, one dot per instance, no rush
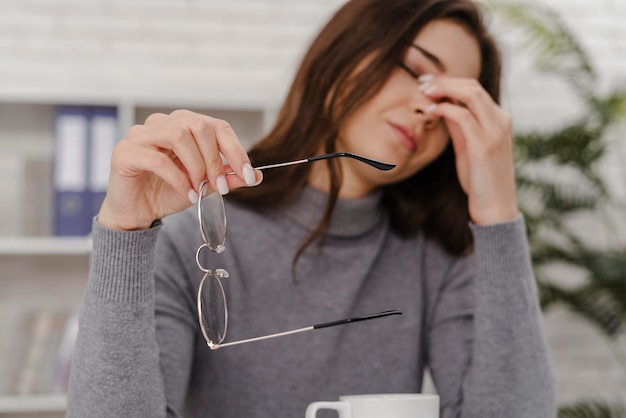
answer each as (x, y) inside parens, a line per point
(212, 218)
(212, 308)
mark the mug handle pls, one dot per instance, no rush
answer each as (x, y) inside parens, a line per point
(339, 406)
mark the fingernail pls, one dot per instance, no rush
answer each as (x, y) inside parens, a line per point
(222, 185)
(192, 195)
(426, 78)
(428, 88)
(248, 174)
(257, 182)
(430, 108)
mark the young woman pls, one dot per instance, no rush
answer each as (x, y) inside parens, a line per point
(414, 83)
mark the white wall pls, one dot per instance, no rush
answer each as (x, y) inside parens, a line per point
(240, 49)
(241, 53)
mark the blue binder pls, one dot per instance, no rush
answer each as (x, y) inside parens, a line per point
(71, 196)
(84, 140)
(103, 135)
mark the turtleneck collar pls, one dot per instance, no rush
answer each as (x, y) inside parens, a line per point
(351, 217)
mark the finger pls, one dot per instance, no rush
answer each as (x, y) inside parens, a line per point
(193, 136)
(172, 135)
(211, 129)
(232, 150)
(235, 181)
(491, 151)
(199, 137)
(460, 121)
(156, 119)
(131, 159)
(463, 92)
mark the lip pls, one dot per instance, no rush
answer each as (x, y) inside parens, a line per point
(405, 135)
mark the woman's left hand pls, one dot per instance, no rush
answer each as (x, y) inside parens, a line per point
(483, 145)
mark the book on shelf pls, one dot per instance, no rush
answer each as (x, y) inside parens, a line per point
(44, 341)
(37, 197)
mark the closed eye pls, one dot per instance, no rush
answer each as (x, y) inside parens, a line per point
(408, 70)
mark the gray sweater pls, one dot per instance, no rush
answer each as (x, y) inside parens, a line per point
(473, 321)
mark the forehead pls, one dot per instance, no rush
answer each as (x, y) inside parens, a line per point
(453, 45)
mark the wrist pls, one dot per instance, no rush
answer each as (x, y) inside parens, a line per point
(486, 218)
(485, 212)
(108, 219)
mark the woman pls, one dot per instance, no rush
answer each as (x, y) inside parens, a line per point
(439, 237)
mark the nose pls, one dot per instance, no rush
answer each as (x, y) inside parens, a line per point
(419, 104)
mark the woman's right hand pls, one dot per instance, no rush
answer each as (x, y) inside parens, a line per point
(157, 168)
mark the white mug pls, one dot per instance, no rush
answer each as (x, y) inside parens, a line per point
(382, 405)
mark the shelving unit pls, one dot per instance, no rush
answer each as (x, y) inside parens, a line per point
(43, 280)
(40, 246)
(40, 272)
(42, 405)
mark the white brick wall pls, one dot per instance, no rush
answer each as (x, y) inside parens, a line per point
(244, 48)
(244, 52)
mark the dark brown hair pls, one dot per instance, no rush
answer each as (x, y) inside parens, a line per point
(327, 90)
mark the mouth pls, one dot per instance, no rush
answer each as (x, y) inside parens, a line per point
(405, 135)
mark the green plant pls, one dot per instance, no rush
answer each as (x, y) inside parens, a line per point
(591, 409)
(560, 186)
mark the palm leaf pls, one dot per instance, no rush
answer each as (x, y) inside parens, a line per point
(601, 299)
(594, 305)
(592, 409)
(572, 186)
(611, 108)
(557, 198)
(555, 48)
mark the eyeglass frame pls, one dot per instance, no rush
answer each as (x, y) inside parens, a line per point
(219, 274)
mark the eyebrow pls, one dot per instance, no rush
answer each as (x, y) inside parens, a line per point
(431, 57)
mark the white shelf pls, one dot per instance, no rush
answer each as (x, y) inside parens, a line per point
(32, 404)
(57, 267)
(45, 246)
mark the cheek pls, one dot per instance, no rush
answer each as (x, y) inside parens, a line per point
(357, 128)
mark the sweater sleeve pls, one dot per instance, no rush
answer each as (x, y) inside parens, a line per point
(491, 342)
(115, 367)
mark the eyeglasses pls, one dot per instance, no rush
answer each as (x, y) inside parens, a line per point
(211, 298)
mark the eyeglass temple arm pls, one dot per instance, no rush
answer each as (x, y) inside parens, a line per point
(357, 319)
(374, 163)
(314, 327)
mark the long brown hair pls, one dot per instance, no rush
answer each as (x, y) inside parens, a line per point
(326, 91)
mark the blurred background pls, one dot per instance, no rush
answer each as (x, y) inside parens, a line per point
(76, 74)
